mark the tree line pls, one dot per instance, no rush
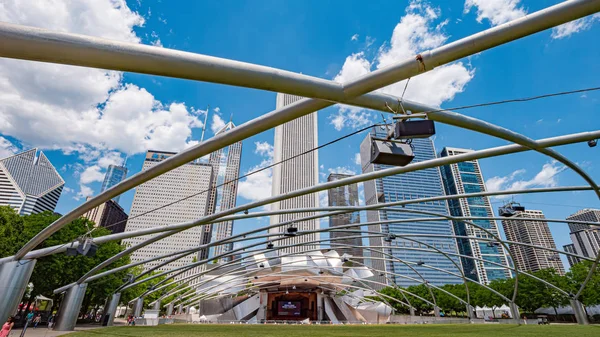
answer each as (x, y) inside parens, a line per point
(54, 271)
(531, 293)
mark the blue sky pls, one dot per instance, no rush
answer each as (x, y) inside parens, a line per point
(85, 119)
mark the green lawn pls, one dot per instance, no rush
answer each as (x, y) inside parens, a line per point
(209, 330)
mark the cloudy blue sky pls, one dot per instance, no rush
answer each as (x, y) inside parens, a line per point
(86, 119)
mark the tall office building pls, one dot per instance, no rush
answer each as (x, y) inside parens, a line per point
(408, 186)
(466, 177)
(114, 175)
(29, 184)
(532, 232)
(293, 138)
(586, 238)
(189, 179)
(109, 215)
(345, 196)
(570, 248)
(225, 164)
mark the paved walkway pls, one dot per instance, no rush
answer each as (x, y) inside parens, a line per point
(43, 331)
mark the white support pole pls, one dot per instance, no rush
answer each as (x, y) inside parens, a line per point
(156, 305)
(170, 309)
(70, 308)
(14, 277)
(514, 312)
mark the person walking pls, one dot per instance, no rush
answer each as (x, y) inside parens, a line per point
(7, 327)
(29, 316)
(37, 320)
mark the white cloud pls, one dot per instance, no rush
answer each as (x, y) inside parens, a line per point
(110, 158)
(264, 149)
(342, 170)
(217, 109)
(83, 109)
(354, 37)
(6, 148)
(258, 185)
(91, 174)
(217, 123)
(323, 199)
(416, 31)
(68, 190)
(570, 28)
(496, 11)
(357, 158)
(84, 192)
(546, 177)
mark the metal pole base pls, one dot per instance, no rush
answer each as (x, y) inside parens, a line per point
(70, 307)
(138, 306)
(470, 312)
(436, 311)
(14, 277)
(156, 305)
(514, 311)
(111, 310)
(579, 312)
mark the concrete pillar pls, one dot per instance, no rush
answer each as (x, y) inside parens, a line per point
(261, 314)
(156, 305)
(436, 311)
(170, 309)
(111, 308)
(14, 278)
(138, 306)
(471, 312)
(514, 312)
(579, 312)
(320, 306)
(70, 308)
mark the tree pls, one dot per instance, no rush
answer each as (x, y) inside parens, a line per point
(137, 290)
(57, 270)
(576, 276)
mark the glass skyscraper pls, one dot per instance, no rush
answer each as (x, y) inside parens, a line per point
(114, 175)
(466, 177)
(345, 196)
(415, 248)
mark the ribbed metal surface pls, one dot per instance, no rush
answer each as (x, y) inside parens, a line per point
(69, 308)
(14, 277)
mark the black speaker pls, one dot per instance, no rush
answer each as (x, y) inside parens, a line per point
(391, 153)
(414, 129)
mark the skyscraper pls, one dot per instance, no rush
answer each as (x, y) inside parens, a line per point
(466, 177)
(29, 184)
(293, 138)
(570, 248)
(225, 164)
(408, 186)
(184, 181)
(586, 238)
(532, 232)
(114, 175)
(109, 215)
(345, 196)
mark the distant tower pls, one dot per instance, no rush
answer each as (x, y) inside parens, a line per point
(28, 184)
(190, 179)
(407, 186)
(114, 175)
(293, 138)
(226, 167)
(533, 232)
(345, 196)
(586, 238)
(466, 177)
(570, 248)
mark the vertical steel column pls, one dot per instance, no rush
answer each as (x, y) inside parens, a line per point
(138, 306)
(261, 314)
(436, 311)
(412, 311)
(70, 308)
(170, 309)
(180, 309)
(14, 277)
(156, 305)
(579, 312)
(471, 312)
(111, 309)
(514, 312)
(320, 306)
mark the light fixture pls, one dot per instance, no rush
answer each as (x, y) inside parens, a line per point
(592, 142)
(420, 263)
(270, 245)
(261, 265)
(293, 287)
(291, 231)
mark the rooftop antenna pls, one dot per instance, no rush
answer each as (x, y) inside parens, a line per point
(204, 126)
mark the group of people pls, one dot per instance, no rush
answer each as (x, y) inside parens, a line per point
(130, 320)
(32, 319)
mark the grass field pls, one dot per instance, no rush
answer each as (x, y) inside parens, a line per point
(209, 330)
